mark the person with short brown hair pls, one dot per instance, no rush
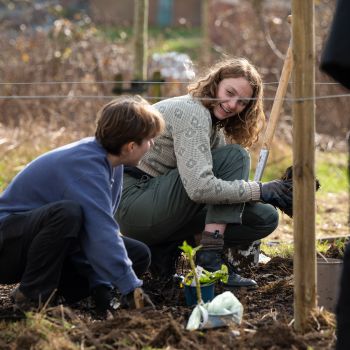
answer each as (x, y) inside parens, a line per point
(126, 119)
(57, 229)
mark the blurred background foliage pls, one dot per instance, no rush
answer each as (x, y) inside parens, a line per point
(74, 51)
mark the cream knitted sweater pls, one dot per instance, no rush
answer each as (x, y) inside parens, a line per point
(186, 143)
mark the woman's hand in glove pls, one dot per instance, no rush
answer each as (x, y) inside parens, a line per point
(278, 193)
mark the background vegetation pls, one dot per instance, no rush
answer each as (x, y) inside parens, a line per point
(56, 76)
(59, 64)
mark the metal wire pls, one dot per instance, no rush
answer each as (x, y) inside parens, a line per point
(40, 97)
(126, 82)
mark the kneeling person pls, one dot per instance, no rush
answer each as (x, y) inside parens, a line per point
(57, 226)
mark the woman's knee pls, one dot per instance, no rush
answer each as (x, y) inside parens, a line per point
(273, 217)
(269, 219)
(232, 151)
(261, 218)
(231, 162)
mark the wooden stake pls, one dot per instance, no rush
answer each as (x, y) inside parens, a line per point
(141, 39)
(275, 113)
(205, 26)
(303, 90)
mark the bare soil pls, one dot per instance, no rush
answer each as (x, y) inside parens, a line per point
(267, 320)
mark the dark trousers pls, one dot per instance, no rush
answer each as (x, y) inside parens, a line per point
(343, 306)
(74, 284)
(38, 252)
(164, 213)
(35, 245)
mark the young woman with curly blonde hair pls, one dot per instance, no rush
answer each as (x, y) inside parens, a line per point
(191, 181)
(245, 128)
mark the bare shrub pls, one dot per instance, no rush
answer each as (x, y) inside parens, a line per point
(48, 64)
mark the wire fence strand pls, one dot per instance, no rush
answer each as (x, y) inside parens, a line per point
(130, 82)
(71, 97)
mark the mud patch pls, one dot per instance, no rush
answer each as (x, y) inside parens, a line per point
(267, 320)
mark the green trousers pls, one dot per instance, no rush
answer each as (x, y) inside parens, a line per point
(156, 210)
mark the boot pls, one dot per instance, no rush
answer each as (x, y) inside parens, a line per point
(103, 297)
(22, 302)
(210, 257)
(210, 260)
(236, 280)
(243, 256)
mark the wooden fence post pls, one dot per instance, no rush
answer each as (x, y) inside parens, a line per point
(118, 85)
(155, 89)
(205, 25)
(141, 39)
(303, 90)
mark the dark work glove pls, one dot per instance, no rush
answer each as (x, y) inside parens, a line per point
(102, 296)
(278, 193)
(135, 300)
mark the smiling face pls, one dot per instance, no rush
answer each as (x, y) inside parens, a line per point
(233, 95)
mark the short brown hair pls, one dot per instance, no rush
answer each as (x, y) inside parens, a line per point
(127, 119)
(244, 129)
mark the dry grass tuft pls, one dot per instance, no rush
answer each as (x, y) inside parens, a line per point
(321, 319)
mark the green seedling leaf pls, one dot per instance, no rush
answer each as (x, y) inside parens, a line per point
(188, 250)
(208, 277)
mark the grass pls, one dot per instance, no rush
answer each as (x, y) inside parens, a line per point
(330, 168)
(161, 40)
(26, 144)
(286, 250)
(182, 40)
(44, 330)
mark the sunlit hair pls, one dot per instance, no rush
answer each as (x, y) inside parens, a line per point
(243, 129)
(127, 119)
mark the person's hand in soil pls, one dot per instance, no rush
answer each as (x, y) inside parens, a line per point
(135, 300)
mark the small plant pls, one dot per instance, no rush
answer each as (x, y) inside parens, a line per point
(322, 246)
(200, 275)
(336, 248)
(207, 277)
(190, 254)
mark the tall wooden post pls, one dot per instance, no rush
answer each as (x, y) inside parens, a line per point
(141, 39)
(205, 20)
(303, 90)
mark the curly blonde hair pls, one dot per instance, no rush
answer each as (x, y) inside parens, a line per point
(246, 127)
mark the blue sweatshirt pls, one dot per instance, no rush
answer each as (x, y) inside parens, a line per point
(80, 172)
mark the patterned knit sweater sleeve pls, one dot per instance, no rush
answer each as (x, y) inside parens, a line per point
(186, 144)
